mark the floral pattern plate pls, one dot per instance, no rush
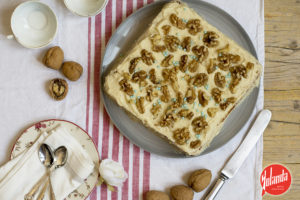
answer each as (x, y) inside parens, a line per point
(29, 136)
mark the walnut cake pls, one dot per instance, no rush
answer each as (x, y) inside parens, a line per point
(182, 78)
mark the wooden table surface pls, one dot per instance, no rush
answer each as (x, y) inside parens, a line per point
(282, 89)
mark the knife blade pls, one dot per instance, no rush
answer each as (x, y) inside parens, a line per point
(237, 159)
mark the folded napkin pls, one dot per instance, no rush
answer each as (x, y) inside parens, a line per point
(19, 175)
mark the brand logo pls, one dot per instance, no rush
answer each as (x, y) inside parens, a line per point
(275, 179)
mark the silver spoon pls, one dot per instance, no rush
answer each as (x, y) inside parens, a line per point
(60, 159)
(46, 157)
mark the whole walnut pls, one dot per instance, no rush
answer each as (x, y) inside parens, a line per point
(156, 195)
(181, 192)
(199, 179)
(72, 70)
(54, 58)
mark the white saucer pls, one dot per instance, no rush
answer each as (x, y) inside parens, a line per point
(34, 24)
(29, 136)
(86, 8)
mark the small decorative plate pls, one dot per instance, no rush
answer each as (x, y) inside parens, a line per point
(29, 136)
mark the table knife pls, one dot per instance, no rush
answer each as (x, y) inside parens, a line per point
(241, 153)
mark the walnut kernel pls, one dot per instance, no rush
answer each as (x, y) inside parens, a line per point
(140, 104)
(200, 79)
(217, 95)
(219, 80)
(211, 67)
(171, 42)
(183, 63)
(186, 43)
(175, 21)
(186, 114)
(156, 108)
(193, 66)
(152, 76)
(147, 57)
(150, 93)
(166, 29)
(199, 124)
(133, 64)
(201, 52)
(139, 76)
(190, 95)
(195, 144)
(126, 87)
(58, 88)
(203, 98)
(212, 112)
(181, 135)
(166, 62)
(165, 94)
(194, 26)
(210, 39)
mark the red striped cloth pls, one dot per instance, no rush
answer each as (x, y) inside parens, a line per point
(108, 139)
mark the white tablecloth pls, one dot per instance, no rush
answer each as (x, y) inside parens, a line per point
(24, 99)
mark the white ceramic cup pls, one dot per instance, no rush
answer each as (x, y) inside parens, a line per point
(34, 24)
(86, 8)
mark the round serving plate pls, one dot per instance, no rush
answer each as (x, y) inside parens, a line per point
(29, 136)
(122, 40)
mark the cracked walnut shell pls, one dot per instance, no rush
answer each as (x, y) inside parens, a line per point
(181, 135)
(58, 88)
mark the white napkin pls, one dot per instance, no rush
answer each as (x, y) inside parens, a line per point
(19, 175)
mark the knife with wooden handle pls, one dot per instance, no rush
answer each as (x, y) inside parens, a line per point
(242, 152)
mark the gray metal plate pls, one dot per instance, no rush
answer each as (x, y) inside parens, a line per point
(123, 39)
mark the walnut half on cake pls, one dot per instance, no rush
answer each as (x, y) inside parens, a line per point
(182, 78)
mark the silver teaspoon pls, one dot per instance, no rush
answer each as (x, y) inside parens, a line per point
(47, 158)
(60, 159)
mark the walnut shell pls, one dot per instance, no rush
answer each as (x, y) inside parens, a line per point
(181, 192)
(72, 70)
(58, 89)
(54, 58)
(199, 179)
(156, 195)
